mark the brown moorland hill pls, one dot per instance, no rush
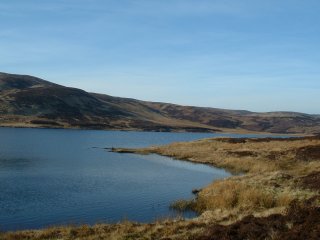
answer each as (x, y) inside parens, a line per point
(27, 101)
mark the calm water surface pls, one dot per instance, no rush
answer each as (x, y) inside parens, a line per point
(53, 177)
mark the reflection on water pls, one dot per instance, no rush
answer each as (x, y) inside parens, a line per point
(16, 163)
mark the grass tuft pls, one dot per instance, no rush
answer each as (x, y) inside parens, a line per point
(182, 205)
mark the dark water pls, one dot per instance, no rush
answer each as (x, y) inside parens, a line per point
(53, 177)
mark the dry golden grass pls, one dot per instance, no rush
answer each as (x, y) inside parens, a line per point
(232, 194)
(246, 156)
(229, 194)
(165, 229)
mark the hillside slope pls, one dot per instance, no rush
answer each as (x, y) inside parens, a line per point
(27, 101)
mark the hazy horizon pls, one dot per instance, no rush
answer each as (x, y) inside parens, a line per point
(245, 55)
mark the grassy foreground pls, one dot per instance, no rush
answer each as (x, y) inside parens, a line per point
(276, 197)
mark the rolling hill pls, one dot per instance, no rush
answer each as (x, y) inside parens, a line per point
(27, 101)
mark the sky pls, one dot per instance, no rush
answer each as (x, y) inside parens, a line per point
(249, 54)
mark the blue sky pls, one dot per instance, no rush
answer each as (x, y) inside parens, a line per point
(248, 54)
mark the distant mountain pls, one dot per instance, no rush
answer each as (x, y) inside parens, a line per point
(27, 101)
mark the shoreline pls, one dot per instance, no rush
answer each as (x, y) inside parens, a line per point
(227, 131)
(159, 150)
(277, 173)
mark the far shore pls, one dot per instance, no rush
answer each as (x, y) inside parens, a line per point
(225, 131)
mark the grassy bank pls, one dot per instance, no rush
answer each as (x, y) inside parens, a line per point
(276, 197)
(274, 169)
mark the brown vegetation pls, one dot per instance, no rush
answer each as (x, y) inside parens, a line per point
(165, 230)
(299, 222)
